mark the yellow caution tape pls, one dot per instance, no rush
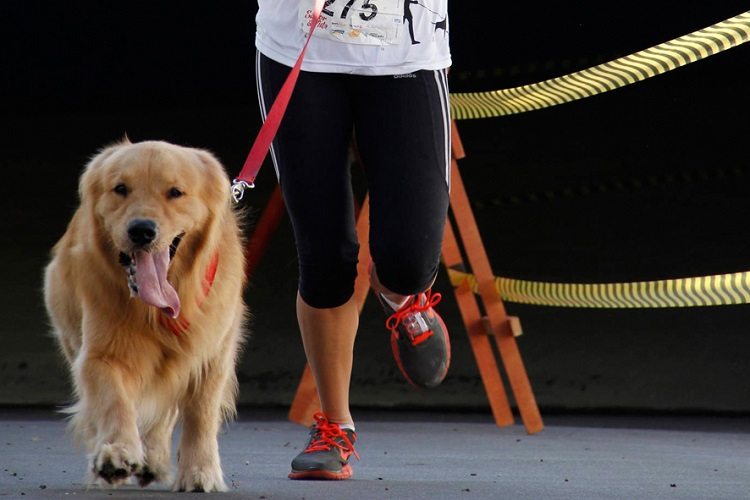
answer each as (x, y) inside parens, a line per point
(604, 77)
(722, 289)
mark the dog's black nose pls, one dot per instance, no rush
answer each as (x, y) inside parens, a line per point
(142, 231)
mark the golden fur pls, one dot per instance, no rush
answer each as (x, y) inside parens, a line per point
(132, 376)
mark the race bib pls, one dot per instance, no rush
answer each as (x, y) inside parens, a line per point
(363, 22)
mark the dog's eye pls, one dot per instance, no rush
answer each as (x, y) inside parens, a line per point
(174, 193)
(121, 189)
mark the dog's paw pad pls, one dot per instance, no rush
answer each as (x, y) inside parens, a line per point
(110, 473)
(145, 477)
(113, 464)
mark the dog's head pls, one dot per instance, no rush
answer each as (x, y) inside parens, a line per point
(145, 198)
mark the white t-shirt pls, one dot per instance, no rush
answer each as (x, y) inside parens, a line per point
(363, 37)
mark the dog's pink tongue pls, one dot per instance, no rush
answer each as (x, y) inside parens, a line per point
(153, 287)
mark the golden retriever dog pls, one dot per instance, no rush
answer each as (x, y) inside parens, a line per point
(144, 291)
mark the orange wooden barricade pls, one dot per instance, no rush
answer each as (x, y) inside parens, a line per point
(494, 323)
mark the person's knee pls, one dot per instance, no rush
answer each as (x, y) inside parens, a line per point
(327, 286)
(406, 275)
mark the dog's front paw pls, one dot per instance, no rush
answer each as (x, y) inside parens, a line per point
(156, 468)
(149, 474)
(200, 479)
(115, 463)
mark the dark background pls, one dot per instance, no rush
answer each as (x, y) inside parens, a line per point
(647, 182)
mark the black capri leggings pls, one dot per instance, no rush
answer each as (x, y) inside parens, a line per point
(403, 134)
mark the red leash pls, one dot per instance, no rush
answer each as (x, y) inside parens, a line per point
(259, 151)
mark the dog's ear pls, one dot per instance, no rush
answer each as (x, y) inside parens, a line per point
(88, 184)
(218, 181)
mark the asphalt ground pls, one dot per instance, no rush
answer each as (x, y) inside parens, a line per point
(408, 455)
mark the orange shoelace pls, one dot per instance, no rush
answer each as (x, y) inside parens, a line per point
(329, 435)
(407, 316)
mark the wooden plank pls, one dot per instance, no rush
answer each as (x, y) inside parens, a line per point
(306, 400)
(499, 321)
(480, 343)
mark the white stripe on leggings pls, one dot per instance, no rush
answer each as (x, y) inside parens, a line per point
(442, 85)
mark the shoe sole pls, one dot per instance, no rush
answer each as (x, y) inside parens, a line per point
(325, 475)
